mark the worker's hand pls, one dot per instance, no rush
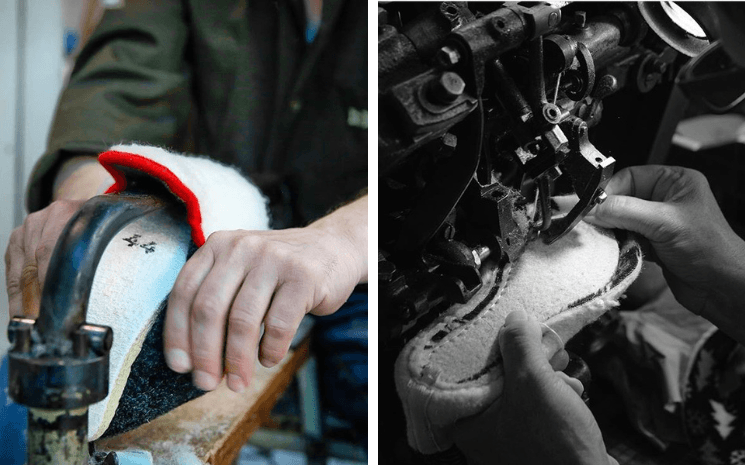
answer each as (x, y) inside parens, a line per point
(31, 245)
(28, 254)
(240, 279)
(701, 256)
(540, 418)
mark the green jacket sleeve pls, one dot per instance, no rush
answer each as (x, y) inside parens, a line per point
(131, 82)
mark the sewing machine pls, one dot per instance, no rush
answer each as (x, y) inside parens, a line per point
(486, 112)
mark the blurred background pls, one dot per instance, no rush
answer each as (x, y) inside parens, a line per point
(37, 49)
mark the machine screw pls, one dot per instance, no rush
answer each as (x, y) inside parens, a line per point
(605, 86)
(447, 57)
(600, 198)
(447, 88)
(448, 231)
(19, 334)
(551, 113)
(554, 18)
(480, 254)
(451, 13)
(98, 338)
(450, 140)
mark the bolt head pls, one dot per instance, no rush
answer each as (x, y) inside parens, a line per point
(447, 87)
(551, 113)
(601, 197)
(447, 56)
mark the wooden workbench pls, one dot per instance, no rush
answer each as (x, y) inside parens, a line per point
(216, 425)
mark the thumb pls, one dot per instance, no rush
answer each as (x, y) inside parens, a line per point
(520, 344)
(650, 219)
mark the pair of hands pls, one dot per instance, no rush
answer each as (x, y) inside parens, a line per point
(540, 417)
(237, 281)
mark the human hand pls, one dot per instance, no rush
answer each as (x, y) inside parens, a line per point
(702, 258)
(29, 251)
(31, 245)
(239, 279)
(540, 418)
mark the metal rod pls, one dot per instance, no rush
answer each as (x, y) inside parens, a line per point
(57, 437)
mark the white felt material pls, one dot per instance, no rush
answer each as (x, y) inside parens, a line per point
(141, 264)
(218, 188)
(129, 286)
(443, 379)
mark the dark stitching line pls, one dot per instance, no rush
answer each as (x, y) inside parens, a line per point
(628, 260)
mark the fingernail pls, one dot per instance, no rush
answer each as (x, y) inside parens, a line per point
(235, 383)
(203, 380)
(178, 360)
(266, 362)
(516, 316)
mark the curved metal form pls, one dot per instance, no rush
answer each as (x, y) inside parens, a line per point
(59, 365)
(68, 284)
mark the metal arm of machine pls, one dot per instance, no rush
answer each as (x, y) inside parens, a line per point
(532, 78)
(59, 364)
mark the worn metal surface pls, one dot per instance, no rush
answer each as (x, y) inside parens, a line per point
(59, 364)
(57, 437)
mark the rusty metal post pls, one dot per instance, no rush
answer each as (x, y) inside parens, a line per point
(57, 437)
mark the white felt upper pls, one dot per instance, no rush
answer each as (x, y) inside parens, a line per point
(228, 201)
(443, 379)
(135, 275)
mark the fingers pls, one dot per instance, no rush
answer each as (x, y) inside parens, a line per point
(520, 344)
(643, 198)
(653, 220)
(560, 360)
(281, 322)
(29, 251)
(208, 320)
(244, 325)
(176, 335)
(58, 217)
(30, 290)
(33, 227)
(573, 383)
(14, 258)
(647, 182)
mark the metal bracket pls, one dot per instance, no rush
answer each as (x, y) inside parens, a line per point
(590, 172)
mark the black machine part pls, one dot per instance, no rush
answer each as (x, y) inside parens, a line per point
(59, 364)
(485, 110)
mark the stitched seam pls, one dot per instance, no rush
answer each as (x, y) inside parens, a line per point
(452, 337)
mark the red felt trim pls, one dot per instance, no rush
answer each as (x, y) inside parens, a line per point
(145, 165)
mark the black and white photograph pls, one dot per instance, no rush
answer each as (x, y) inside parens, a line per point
(561, 267)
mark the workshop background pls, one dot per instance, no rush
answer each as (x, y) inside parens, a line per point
(38, 46)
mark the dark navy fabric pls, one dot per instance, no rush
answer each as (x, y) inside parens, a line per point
(13, 420)
(341, 345)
